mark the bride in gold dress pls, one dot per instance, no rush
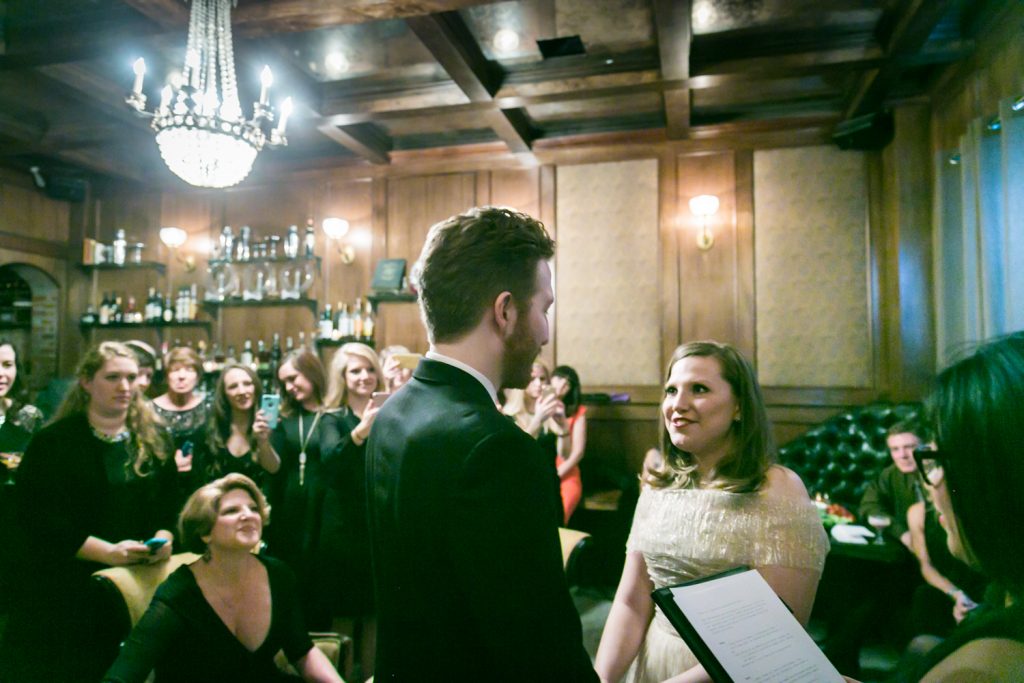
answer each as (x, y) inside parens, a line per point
(715, 501)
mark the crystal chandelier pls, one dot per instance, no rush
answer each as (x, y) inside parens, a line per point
(202, 135)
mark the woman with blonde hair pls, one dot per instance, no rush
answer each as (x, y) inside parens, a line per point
(93, 485)
(355, 376)
(715, 502)
(182, 636)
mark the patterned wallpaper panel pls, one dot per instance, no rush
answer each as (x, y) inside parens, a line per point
(607, 271)
(811, 279)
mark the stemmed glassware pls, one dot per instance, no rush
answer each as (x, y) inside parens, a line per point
(880, 523)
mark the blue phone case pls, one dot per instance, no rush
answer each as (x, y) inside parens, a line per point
(270, 404)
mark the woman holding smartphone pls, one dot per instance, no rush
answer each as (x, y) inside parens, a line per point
(93, 486)
(18, 419)
(238, 434)
(356, 393)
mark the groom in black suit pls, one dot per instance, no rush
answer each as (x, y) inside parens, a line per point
(463, 504)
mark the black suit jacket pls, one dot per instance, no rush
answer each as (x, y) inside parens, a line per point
(467, 561)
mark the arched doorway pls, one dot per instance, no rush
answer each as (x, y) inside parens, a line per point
(29, 300)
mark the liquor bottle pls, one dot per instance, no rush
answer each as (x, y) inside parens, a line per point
(341, 324)
(246, 358)
(242, 249)
(129, 311)
(357, 318)
(326, 327)
(369, 324)
(156, 307)
(168, 312)
(230, 356)
(275, 359)
(193, 302)
(291, 242)
(302, 340)
(104, 314)
(310, 239)
(120, 248)
(275, 351)
(289, 345)
(262, 359)
(218, 357)
(117, 313)
(227, 243)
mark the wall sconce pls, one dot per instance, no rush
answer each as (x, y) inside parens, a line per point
(335, 229)
(704, 205)
(173, 238)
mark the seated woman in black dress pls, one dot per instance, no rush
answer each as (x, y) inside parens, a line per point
(237, 435)
(975, 475)
(93, 485)
(225, 616)
(18, 419)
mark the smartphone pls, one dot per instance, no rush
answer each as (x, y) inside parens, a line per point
(270, 404)
(547, 391)
(408, 361)
(155, 544)
(187, 448)
(379, 397)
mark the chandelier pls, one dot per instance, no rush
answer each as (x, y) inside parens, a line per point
(202, 135)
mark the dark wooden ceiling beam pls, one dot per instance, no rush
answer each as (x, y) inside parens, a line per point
(672, 18)
(908, 37)
(371, 147)
(450, 41)
(452, 44)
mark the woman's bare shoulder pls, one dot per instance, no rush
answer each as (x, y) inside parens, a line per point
(986, 660)
(785, 483)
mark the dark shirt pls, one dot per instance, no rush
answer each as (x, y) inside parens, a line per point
(892, 493)
(185, 641)
(72, 485)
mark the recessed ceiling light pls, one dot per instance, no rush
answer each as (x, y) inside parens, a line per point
(506, 40)
(336, 63)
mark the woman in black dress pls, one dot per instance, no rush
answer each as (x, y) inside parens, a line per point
(184, 410)
(238, 436)
(225, 616)
(93, 485)
(18, 419)
(305, 503)
(355, 376)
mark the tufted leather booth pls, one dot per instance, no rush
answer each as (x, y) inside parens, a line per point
(839, 457)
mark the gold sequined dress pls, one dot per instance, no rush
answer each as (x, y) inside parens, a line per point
(689, 533)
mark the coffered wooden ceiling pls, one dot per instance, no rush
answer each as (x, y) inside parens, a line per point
(378, 80)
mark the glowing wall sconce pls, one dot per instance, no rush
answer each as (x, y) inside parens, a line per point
(335, 229)
(704, 205)
(173, 238)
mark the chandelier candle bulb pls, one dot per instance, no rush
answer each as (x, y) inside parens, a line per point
(140, 71)
(266, 80)
(165, 99)
(286, 111)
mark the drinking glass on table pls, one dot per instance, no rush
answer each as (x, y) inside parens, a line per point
(10, 460)
(880, 524)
